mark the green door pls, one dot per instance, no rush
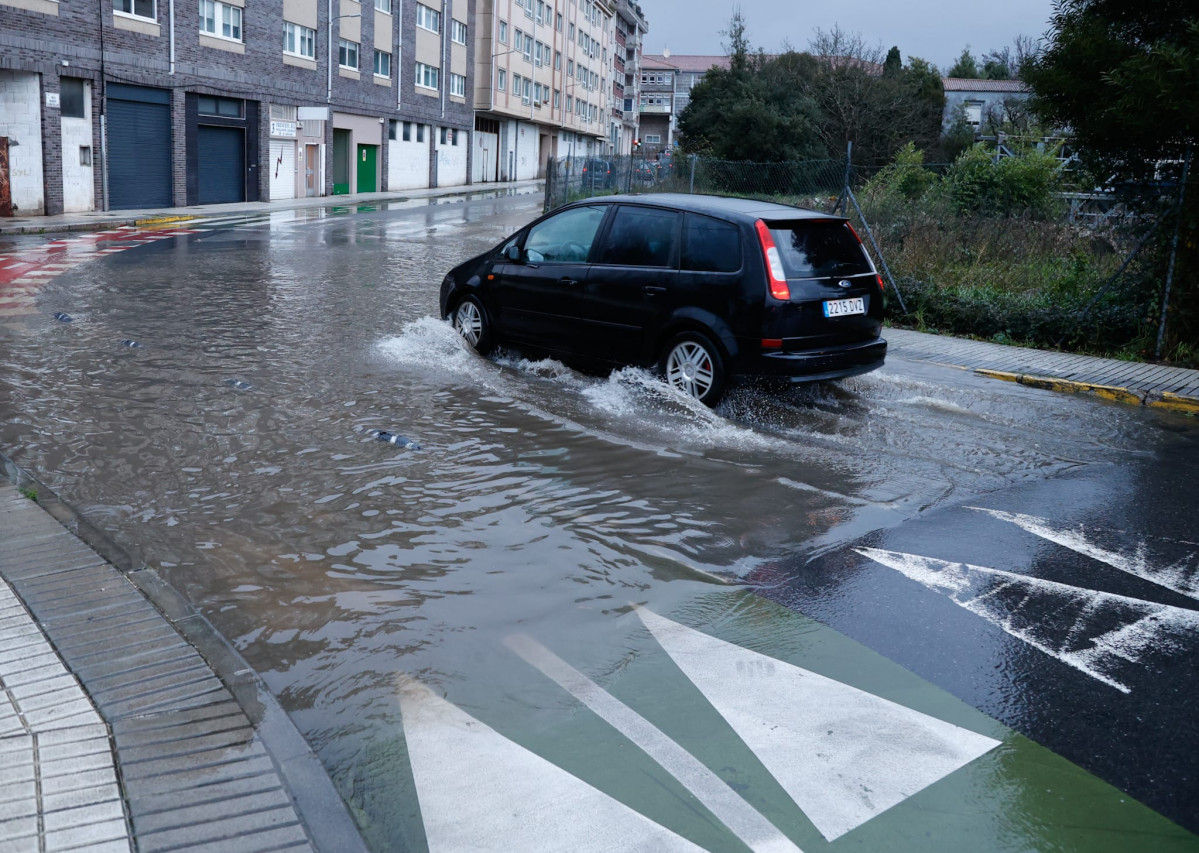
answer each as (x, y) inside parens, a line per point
(341, 162)
(367, 157)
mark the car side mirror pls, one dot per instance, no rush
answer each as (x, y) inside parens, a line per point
(514, 254)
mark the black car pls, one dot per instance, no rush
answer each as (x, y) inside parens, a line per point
(705, 288)
(598, 174)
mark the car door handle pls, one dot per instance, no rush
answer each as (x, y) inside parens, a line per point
(652, 290)
(567, 280)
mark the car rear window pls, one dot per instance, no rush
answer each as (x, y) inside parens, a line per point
(819, 248)
(710, 245)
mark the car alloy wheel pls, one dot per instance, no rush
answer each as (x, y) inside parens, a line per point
(470, 321)
(692, 364)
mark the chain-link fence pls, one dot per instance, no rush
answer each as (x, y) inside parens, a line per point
(966, 247)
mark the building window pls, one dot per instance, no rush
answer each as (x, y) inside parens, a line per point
(407, 131)
(299, 41)
(140, 8)
(391, 129)
(210, 105)
(653, 139)
(429, 19)
(558, 24)
(503, 32)
(282, 112)
(420, 133)
(73, 92)
(347, 54)
(501, 80)
(557, 60)
(383, 6)
(528, 93)
(458, 32)
(458, 85)
(426, 76)
(220, 19)
(85, 155)
(444, 139)
(382, 63)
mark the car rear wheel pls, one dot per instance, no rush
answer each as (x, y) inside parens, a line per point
(470, 320)
(692, 364)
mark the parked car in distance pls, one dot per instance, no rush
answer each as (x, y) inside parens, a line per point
(706, 289)
(598, 174)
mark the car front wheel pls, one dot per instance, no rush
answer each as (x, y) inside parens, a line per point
(470, 320)
(693, 364)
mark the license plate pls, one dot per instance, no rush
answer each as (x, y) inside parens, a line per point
(844, 307)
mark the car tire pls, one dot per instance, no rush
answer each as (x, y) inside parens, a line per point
(692, 363)
(471, 320)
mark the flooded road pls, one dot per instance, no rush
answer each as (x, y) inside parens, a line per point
(233, 451)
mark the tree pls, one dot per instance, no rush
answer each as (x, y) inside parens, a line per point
(893, 66)
(965, 67)
(1121, 74)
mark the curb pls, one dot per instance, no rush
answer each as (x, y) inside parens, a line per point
(1117, 394)
(316, 800)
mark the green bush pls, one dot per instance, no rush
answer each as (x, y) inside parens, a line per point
(1010, 186)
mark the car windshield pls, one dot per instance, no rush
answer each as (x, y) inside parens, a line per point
(819, 248)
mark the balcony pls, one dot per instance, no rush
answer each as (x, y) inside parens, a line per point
(658, 109)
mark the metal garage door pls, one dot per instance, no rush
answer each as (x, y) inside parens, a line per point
(139, 147)
(222, 164)
(283, 169)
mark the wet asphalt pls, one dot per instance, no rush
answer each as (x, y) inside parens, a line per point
(913, 518)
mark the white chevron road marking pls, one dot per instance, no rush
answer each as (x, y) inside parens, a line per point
(844, 755)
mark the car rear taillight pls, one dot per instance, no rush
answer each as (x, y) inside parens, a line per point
(854, 232)
(774, 263)
(882, 285)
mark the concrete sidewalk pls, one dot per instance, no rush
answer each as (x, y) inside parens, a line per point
(127, 723)
(99, 220)
(1133, 382)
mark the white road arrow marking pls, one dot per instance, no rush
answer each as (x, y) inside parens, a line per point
(844, 755)
(1182, 577)
(1097, 633)
(739, 816)
(480, 791)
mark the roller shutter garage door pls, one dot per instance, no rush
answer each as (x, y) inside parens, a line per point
(283, 169)
(139, 147)
(222, 164)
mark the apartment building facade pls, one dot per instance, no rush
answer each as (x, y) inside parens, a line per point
(630, 31)
(543, 83)
(121, 104)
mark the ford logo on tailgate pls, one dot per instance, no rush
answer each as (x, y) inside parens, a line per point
(844, 283)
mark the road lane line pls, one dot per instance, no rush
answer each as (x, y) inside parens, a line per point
(759, 834)
(478, 791)
(844, 755)
(1182, 577)
(1142, 627)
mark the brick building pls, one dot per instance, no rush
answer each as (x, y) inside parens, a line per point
(120, 104)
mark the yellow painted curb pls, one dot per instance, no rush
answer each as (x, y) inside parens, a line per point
(1165, 400)
(163, 220)
(1174, 403)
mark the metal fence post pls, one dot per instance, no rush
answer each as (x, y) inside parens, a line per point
(694, 157)
(1182, 194)
(877, 250)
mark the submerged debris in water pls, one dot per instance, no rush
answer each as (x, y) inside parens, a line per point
(392, 438)
(131, 344)
(239, 384)
(63, 317)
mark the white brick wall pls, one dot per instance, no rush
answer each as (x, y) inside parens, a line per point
(78, 185)
(20, 121)
(451, 161)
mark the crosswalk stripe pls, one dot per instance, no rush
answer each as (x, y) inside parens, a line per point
(844, 755)
(480, 791)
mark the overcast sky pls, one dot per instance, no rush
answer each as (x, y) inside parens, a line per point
(935, 30)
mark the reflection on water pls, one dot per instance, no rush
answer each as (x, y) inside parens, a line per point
(542, 498)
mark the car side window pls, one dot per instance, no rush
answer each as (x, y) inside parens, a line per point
(710, 245)
(641, 237)
(566, 237)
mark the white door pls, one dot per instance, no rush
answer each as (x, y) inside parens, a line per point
(484, 161)
(283, 169)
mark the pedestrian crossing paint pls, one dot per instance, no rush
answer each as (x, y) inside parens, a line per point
(1182, 576)
(844, 755)
(1101, 634)
(25, 272)
(479, 791)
